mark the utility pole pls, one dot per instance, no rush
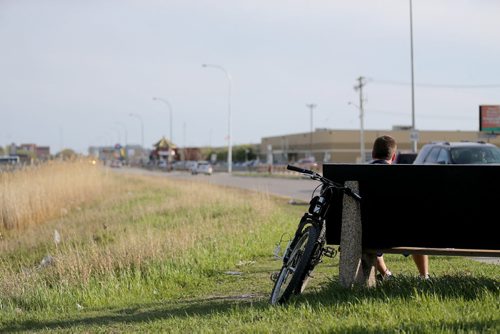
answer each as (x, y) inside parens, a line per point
(311, 107)
(184, 138)
(229, 135)
(414, 135)
(359, 88)
(61, 141)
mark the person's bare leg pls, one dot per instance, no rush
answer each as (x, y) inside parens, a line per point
(422, 262)
(381, 267)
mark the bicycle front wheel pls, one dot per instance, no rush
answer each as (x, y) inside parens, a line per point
(293, 273)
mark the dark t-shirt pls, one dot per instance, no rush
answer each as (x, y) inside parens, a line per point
(379, 162)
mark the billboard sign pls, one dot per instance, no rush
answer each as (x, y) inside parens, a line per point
(489, 118)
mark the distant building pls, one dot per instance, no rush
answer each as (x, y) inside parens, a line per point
(28, 152)
(27, 147)
(133, 155)
(163, 150)
(343, 146)
(191, 153)
(42, 152)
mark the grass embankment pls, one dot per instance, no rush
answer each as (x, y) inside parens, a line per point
(157, 255)
(34, 194)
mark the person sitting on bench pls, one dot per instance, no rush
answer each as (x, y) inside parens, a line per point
(384, 152)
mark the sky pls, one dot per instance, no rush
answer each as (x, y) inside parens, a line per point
(73, 71)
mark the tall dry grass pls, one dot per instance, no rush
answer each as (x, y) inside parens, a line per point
(35, 194)
(171, 218)
(142, 221)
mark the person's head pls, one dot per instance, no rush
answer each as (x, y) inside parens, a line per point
(384, 148)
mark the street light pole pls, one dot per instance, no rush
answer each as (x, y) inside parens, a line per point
(126, 139)
(118, 134)
(125, 131)
(229, 139)
(142, 128)
(170, 110)
(413, 136)
(361, 117)
(311, 107)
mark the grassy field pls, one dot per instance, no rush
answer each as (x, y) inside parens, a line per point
(34, 194)
(147, 254)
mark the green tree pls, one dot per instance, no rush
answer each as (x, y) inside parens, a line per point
(29, 155)
(221, 154)
(244, 153)
(66, 154)
(240, 152)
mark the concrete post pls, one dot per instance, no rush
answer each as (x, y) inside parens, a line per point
(355, 268)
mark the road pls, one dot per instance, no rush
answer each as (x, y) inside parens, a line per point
(294, 189)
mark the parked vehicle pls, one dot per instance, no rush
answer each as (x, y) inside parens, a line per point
(307, 163)
(9, 160)
(179, 165)
(405, 158)
(189, 165)
(458, 153)
(116, 164)
(202, 167)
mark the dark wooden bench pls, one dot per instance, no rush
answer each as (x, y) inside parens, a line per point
(420, 209)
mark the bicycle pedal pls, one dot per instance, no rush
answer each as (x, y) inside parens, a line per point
(329, 252)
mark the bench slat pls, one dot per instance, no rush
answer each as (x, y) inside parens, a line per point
(437, 251)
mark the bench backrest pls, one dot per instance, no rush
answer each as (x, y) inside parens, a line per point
(437, 206)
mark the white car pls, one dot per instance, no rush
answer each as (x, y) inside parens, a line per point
(202, 167)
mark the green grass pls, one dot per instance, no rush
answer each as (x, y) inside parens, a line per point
(172, 261)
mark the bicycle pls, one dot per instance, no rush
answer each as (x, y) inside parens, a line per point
(308, 245)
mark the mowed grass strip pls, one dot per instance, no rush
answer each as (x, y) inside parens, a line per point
(158, 255)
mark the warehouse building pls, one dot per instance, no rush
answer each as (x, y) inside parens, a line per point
(343, 146)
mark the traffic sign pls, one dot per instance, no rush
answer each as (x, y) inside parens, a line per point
(414, 135)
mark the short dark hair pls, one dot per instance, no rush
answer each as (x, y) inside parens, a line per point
(384, 147)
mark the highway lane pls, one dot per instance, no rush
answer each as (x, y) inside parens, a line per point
(294, 189)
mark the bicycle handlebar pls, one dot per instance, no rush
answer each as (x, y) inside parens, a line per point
(315, 176)
(300, 170)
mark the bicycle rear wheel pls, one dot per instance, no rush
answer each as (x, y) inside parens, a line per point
(291, 278)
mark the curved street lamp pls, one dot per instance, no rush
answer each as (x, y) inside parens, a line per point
(125, 131)
(170, 111)
(229, 139)
(118, 134)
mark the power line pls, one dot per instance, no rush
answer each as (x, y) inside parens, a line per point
(430, 85)
(378, 111)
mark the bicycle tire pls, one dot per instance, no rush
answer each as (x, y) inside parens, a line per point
(292, 276)
(317, 244)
